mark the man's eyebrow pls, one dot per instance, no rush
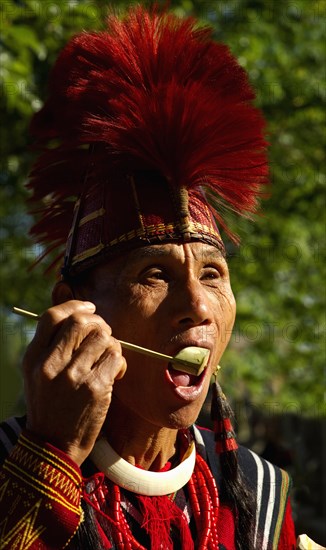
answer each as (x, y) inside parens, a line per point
(212, 254)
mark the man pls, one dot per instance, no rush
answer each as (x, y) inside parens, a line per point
(148, 134)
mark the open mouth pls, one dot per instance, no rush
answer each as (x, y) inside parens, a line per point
(183, 378)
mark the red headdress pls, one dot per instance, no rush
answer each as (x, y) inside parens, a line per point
(148, 133)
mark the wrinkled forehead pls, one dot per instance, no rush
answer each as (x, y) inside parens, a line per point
(197, 249)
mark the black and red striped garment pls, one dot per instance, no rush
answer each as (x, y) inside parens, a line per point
(19, 492)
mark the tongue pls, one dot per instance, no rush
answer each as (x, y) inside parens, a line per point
(182, 378)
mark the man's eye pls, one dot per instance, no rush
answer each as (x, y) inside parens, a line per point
(155, 274)
(210, 273)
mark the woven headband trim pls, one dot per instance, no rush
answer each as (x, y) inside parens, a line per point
(196, 229)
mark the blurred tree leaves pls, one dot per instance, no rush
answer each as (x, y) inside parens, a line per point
(277, 353)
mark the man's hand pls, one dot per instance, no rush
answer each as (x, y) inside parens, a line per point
(69, 371)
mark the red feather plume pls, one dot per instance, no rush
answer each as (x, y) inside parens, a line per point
(158, 93)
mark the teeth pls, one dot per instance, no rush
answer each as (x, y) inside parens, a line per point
(192, 360)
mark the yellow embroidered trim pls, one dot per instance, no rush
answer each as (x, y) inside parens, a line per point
(91, 216)
(47, 455)
(151, 230)
(28, 534)
(3, 488)
(283, 499)
(76, 510)
(43, 468)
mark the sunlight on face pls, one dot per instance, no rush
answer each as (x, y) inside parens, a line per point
(165, 297)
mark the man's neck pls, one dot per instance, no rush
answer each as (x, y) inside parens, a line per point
(137, 441)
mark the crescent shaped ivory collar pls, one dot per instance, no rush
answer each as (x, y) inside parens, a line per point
(136, 480)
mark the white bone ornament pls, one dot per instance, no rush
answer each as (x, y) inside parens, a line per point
(136, 480)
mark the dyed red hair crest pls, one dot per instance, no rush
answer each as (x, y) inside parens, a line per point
(151, 92)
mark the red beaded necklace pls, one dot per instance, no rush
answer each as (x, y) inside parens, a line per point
(203, 498)
(204, 502)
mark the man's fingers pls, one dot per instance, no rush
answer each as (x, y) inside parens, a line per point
(110, 366)
(80, 342)
(53, 318)
(98, 352)
(75, 329)
(71, 366)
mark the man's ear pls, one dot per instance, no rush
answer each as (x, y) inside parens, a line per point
(62, 292)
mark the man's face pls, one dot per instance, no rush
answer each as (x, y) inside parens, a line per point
(165, 297)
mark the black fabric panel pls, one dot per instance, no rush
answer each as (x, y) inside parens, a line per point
(3, 451)
(248, 466)
(9, 431)
(21, 421)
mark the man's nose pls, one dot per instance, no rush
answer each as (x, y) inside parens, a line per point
(191, 305)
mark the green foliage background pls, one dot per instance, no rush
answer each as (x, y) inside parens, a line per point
(277, 353)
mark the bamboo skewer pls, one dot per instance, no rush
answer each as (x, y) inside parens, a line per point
(192, 359)
(25, 313)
